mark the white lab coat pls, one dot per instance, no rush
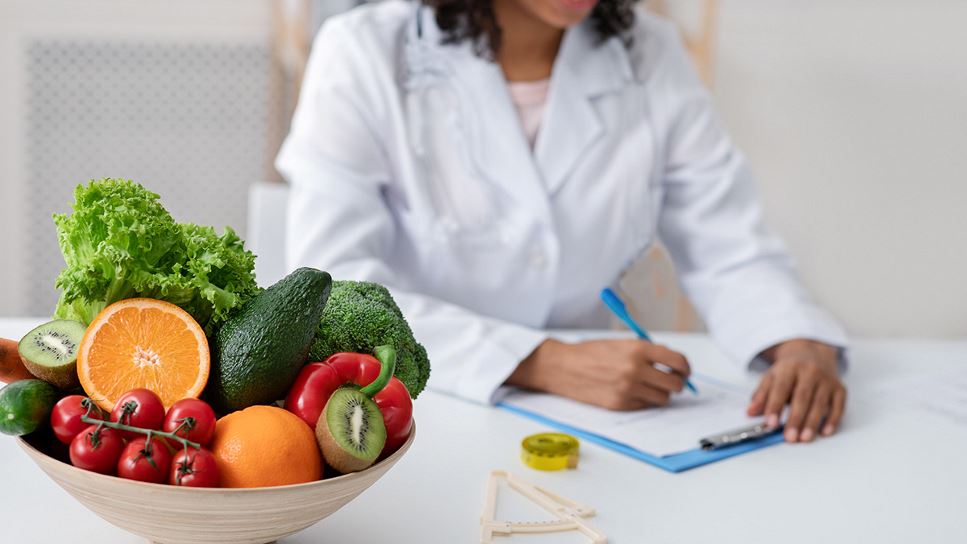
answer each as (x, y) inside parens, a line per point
(409, 167)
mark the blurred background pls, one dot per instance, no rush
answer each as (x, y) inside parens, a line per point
(853, 114)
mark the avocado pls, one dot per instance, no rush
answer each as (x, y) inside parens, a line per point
(259, 351)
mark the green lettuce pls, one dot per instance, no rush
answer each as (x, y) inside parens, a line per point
(120, 243)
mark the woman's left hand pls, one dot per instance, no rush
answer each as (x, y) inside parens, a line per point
(803, 374)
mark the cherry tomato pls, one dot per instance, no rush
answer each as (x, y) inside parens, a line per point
(144, 461)
(66, 417)
(191, 419)
(139, 408)
(194, 468)
(96, 449)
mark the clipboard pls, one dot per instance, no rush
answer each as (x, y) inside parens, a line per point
(675, 463)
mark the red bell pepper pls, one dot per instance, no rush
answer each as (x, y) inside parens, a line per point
(317, 382)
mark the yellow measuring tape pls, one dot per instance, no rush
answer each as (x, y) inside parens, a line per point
(550, 451)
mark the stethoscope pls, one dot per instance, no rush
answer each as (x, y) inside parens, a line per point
(417, 76)
(453, 177)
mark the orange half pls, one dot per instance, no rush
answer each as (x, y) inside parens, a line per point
(142, 342)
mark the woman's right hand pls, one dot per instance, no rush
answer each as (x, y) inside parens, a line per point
(613, 374)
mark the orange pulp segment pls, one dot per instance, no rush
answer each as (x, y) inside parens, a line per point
(142, 342)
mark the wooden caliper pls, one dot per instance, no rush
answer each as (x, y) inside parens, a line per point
(570, 514)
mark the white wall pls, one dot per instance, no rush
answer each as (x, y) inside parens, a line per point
(853, 114)
(192, 114)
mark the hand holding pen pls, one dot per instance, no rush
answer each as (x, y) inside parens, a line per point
(616, 374)
(617, 307)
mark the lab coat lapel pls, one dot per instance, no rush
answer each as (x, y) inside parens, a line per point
(496, 139)
(584, 70)
(484, 124)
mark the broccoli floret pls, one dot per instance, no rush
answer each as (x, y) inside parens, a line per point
(362, 315)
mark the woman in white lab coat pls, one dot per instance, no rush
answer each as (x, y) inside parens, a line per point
(497, 162)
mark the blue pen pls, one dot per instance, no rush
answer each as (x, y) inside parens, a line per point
(617, 307)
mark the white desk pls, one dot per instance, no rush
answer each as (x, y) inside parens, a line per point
(891, 475)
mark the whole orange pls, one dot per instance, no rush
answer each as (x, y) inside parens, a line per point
(264, 446)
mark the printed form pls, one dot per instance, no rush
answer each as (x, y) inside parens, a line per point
(719, 407)
(942, 394)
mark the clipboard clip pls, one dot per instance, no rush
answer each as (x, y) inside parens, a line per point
(737, 436)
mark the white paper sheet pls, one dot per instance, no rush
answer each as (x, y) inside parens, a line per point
(678, 427)
(942, 394)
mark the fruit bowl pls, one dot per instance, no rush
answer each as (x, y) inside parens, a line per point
(178, 515)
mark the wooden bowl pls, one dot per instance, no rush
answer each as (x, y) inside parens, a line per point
(179, 515)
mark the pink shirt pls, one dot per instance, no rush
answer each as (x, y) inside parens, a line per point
(529, 98)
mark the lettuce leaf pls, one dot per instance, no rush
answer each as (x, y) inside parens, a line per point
(120, 243)
(218, 272)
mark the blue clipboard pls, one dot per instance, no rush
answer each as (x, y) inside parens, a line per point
(679, 462)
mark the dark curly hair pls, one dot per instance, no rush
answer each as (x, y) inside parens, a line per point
(475, 20)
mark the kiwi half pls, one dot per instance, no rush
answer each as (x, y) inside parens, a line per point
(350, 431)
(50, 352)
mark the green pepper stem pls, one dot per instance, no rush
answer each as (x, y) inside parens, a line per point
(387, 359)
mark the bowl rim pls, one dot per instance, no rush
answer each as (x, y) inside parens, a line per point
(40, 456)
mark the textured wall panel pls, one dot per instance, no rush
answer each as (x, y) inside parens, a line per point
(190, 122)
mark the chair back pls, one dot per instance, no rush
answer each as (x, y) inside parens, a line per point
(267, 202)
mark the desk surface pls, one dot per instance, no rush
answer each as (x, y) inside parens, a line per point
(891, 475)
